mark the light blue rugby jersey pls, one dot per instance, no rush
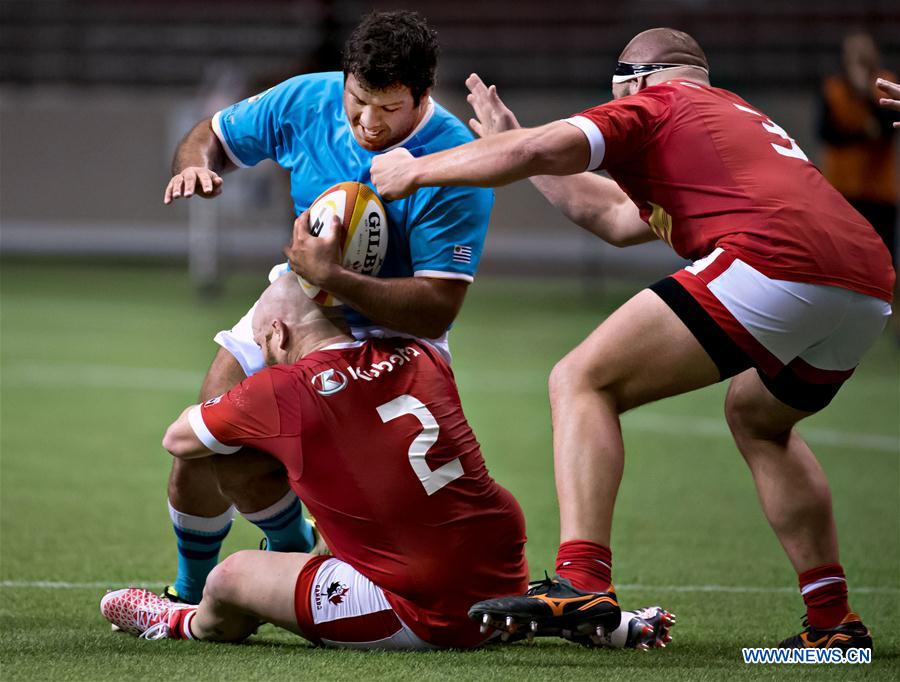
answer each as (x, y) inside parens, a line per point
(300, 124)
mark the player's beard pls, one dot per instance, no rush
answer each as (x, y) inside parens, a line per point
(270, 357)
(266, 349)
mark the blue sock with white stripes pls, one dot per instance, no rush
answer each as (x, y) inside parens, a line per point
(199, 540)
(283, 523)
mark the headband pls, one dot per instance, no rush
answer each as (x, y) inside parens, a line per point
(626, 71)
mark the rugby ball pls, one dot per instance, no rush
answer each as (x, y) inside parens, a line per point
(364, 233)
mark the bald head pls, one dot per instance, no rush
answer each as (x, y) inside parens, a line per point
(664, 46)
(658, 55)
(288, 324)
(284, 300)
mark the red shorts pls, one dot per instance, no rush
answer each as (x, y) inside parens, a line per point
(338, 606)
(804, 339)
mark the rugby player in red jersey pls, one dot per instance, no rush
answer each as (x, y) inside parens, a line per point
(789, 288)
(373, 438)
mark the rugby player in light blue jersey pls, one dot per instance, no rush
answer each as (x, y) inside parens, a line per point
(323, 129)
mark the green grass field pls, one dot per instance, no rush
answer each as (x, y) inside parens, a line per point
(97, 360)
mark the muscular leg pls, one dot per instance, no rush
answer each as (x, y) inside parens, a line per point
(201, 493)
(248, 588)
(253, 480)
(642, 352)
(201, 514)
(791, 484)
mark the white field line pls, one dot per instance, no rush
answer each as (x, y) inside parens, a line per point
(160, 379)
(709, 426)
(735, 589)
(59, 585)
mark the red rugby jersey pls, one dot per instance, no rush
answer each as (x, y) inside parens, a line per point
(707, 169)
(376, 444)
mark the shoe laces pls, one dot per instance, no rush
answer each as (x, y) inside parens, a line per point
(154, 631)
(158, 631)
(539, 586)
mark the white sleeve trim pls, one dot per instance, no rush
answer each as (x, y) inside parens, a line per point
(595, 139)
(217, 129)
(440, 274)
(195, 417)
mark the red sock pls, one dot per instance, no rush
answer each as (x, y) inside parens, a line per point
(824, 591)
(180, 623)
(587, 565)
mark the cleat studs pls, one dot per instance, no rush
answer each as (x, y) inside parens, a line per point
(484, 628)
(509, 622)
(642, 647)
(530, 637)
(533, 626)
(486, 619)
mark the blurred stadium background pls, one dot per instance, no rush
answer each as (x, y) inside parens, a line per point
(94, 95)
(102, 340)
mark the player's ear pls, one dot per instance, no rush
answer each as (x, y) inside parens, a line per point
(282, 334)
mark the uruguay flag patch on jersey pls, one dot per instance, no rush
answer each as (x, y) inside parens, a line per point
(462, 254)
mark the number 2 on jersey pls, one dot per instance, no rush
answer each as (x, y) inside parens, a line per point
(431, 479)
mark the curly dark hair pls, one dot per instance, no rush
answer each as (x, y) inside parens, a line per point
(392, 48)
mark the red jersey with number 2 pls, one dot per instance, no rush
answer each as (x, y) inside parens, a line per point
(707, 169)
(376, 444)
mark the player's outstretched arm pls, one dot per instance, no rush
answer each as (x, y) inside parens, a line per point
(553, 149)
(181, 441)
(892, 101)
(199, 161)
(592, 202)
(492, 116)
(598, 205)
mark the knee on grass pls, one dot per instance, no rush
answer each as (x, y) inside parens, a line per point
(226, 607)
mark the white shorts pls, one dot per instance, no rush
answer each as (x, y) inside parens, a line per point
(337, 606)
(804, 339)
(239, 339)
